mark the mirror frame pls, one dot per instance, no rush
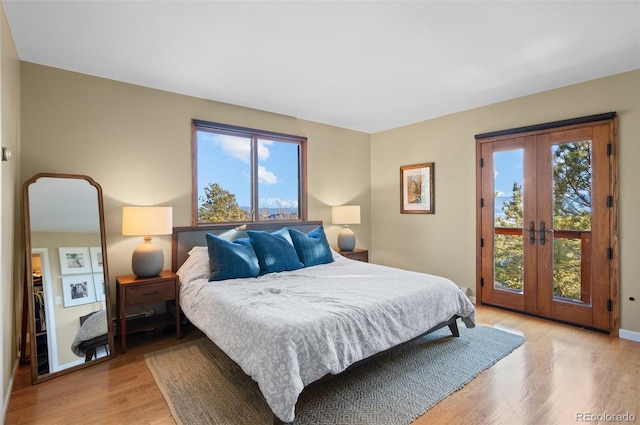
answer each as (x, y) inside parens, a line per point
(30, 311)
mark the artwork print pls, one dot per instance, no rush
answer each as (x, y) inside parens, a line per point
(417, 189)
(98, 282)
(74, 260)
(96, 259)
(78, 290)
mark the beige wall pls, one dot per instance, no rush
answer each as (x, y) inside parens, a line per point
(136, 143)
(444, 243)
(11, 266)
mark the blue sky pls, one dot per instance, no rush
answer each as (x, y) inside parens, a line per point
(226, 160)
(508, 167)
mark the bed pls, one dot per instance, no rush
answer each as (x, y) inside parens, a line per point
(289, 328)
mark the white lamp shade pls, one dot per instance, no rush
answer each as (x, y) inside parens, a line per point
(143, 221)
(345, 214)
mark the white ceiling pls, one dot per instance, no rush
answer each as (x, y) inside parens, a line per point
(367, 66)
(63, 205)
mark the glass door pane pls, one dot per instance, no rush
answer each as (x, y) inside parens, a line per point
(508, 207)
(571, 192)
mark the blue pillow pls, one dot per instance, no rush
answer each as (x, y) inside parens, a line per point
(230, 260)
(275, 251)
(312, 247)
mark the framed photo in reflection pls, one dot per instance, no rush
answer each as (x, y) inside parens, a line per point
(78, 289)
(74, 260)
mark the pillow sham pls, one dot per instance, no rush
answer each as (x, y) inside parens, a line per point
(275, 251)
(196, 266)
(312, 248)
(231, 259)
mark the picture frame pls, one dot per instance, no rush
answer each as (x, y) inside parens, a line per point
(74, 260)
(417, 190)
(96, 259)
(98, 283)
(78, 289)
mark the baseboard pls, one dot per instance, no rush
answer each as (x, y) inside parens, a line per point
(7, 396)
(630, 335)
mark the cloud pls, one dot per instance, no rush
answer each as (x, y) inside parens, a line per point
(265, 176)
(263, 149)
(278, 203)
(240, 148)
(234, 147)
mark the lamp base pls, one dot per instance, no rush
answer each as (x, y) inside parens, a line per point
(147, 260)
(346, 239)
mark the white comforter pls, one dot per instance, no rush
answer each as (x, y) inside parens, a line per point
(288, 329)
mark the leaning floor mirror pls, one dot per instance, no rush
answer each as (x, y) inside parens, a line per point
(67, 284)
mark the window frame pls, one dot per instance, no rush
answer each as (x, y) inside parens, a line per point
(254, 135)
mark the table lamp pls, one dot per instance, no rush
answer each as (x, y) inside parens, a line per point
(346, 215)
(147, 259)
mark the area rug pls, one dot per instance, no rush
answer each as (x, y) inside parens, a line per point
(203, 386)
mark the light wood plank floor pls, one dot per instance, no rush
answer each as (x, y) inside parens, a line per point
(560, 373)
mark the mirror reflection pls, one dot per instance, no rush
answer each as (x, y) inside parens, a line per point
(66, 260)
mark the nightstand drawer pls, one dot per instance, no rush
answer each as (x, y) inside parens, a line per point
(357, 254)
(151, 292)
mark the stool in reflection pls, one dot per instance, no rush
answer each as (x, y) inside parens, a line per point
(89, 347)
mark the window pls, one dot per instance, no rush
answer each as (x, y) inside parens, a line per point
(246, 175)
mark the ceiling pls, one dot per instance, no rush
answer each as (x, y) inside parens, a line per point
(367, 66)
(63, 205)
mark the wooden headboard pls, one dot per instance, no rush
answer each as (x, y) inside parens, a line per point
(185, 238)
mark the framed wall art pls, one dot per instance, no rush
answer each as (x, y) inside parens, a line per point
(96, 259)
(74, 260)
(98, 283)
(78, 289)
(417, 189)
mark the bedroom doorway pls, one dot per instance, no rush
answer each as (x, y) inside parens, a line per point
(547, 221)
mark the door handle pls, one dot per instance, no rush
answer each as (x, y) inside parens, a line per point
(532, 232)
(542, 230)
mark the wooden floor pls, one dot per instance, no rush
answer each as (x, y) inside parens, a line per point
(561, 375)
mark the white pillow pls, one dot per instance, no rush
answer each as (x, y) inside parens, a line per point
(196, 266)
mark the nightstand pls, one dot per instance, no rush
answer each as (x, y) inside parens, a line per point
(133, 290)
(357, 254)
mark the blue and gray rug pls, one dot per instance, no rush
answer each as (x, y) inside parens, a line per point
(203, 386)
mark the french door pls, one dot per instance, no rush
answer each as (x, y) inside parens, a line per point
(546, 223)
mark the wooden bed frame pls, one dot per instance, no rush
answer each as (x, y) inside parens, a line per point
(185, 238)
